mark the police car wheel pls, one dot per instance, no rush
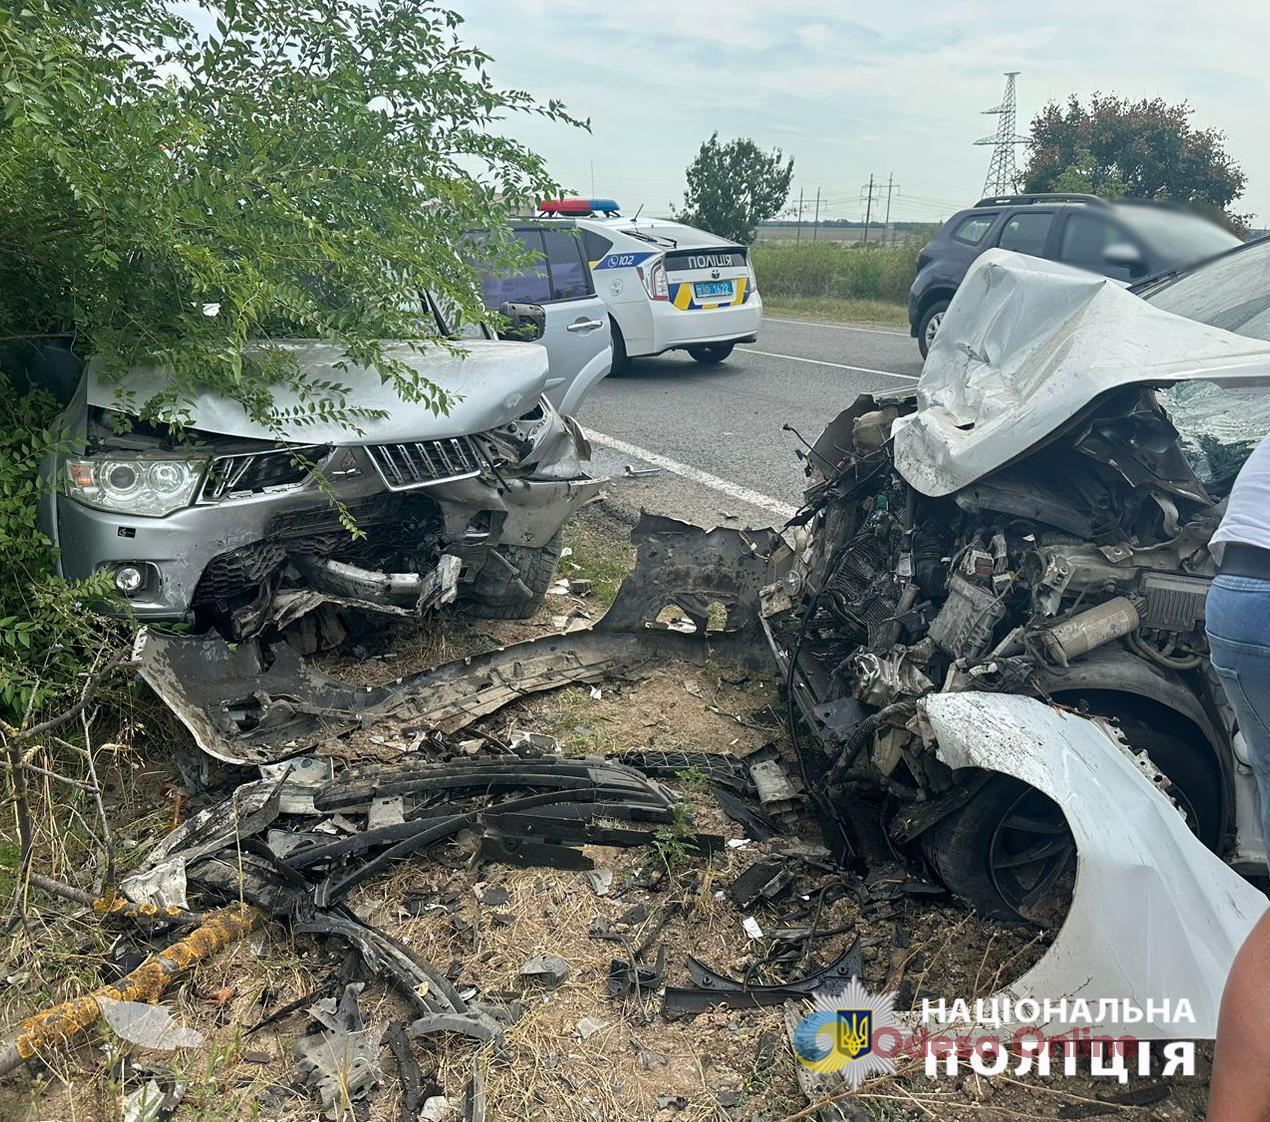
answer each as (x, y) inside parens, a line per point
(710, 354)
(621, 361)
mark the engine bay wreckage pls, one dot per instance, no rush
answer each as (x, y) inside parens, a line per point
(988, 618)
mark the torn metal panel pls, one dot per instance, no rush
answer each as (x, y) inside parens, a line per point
(1143, 881)
(1026, 345)
(250, 809)
(248, 704)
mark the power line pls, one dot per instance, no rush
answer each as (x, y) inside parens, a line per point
(868, 196)
(1002, 177)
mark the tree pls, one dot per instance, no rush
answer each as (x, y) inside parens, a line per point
(733, 187)
(1142, 149)
(173, 188)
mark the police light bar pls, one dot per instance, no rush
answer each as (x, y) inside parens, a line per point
(578, 206)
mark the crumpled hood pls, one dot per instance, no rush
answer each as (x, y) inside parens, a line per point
(492, 383)
(1025, 345)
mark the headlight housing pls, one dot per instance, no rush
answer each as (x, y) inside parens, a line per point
(151, 486)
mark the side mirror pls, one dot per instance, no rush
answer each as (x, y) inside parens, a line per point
(1122, 254)
(526, 323)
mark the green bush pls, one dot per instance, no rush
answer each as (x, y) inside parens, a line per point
(47, 635)
(835, 271)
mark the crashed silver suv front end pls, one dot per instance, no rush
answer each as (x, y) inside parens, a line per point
(233, 530)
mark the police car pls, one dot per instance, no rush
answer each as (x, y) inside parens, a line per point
(666, 286)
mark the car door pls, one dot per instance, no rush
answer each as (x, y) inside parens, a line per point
(573, 322)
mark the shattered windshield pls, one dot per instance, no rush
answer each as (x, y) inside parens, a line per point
(1219, 426)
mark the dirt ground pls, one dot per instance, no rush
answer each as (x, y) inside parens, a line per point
(575, 1052)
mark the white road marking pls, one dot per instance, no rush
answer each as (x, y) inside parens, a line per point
(835, 365)
(837, 326)
(695, 474)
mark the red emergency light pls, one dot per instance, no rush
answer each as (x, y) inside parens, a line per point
(578, 206)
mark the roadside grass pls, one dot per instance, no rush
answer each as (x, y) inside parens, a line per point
(838, 272)
(876, 313)
(601, 553)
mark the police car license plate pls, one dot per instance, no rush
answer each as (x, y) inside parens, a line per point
(712, 290)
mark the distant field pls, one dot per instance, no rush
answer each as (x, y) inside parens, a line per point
(829, 271)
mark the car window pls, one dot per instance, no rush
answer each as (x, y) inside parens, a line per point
(1220, 425)
(1182, 237)
(568, 271)
(531, 285)
(971, 231)
(1027, 232)
(1085, 241)
(597, 245)
(1232, 292)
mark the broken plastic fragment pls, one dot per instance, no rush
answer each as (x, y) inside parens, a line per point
(147, 1026)
(151, 1103)
(549, 969)
(163, 885)
(752, 929)
(589, 1026)
(342, 1060)
(601, 880)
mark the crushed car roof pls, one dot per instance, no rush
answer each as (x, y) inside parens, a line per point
(1026, 345)
(491, 383)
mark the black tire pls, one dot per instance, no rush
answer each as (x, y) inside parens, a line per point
(513, 581)
(925, 332)
(710, 354)
(966, 848)
(1005, 852)
(621, 360)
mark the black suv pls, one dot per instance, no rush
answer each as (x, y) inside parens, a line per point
(1128, 240)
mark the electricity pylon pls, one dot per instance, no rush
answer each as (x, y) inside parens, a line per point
(1001, 173)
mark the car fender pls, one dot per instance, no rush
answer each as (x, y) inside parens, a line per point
(1154, 916)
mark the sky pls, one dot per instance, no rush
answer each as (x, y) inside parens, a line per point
(851, 89)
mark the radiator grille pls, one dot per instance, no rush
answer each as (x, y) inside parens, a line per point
(423, 462)
(253, 472)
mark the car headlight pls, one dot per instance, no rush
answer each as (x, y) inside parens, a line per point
(152, 487)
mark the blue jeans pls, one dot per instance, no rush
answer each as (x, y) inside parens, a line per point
(1238, 626)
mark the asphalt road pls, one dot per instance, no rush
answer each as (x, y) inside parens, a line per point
(715, 432)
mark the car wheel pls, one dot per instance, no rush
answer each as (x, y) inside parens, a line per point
(928, 325)
(513, 581)
(621, 360)
(711, 353)
(1008, 851)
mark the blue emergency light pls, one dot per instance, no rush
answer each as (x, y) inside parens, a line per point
(578, 206)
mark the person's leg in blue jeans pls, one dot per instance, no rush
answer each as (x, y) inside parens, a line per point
(1238, 627)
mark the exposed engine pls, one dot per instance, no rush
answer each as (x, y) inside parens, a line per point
(1092, 548)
